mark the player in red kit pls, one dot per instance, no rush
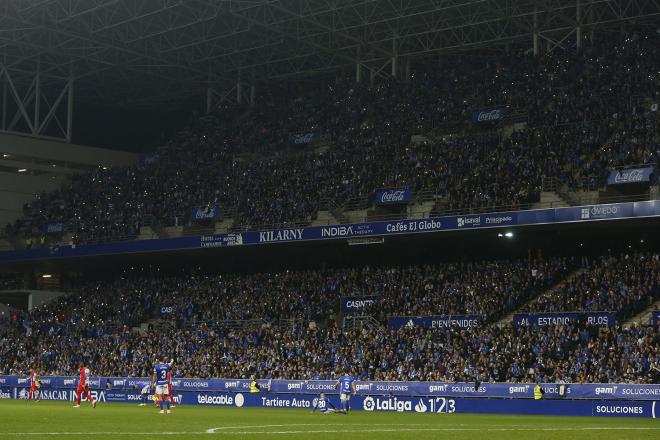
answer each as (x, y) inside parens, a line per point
(83, 386)
(33, 379)
(169, 387)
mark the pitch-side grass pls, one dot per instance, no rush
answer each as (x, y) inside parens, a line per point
(58, 420)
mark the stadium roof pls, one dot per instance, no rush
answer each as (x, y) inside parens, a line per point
(157, 53)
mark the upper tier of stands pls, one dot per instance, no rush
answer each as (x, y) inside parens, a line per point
(584, 111)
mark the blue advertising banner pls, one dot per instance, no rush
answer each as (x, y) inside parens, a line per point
(465, 389)
(303, 138)
(613, 211)
(58, 394)
(595, 212)
(444, 405)
(421, 404)
(54, 228)
(440, 321)
(394, 196)
(646, 209)
(167, 310)
(206, 213)
(490, 115)
(51, 381)
(221, 240)
(486, 220)
(6, 393)
(630, 175)
(126, 383)
(355, 304)
(602, 319)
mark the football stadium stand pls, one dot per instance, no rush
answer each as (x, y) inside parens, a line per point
(570, 118)
(241, 325)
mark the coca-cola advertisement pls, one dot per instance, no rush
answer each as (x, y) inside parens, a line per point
(397, 196)
(490, 115)
(630, 175)
(303, 138)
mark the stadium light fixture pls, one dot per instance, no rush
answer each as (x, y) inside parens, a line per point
(500, 235)
(46, 275)
(22, 170)
(509, 235)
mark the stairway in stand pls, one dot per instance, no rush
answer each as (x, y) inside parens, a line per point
(508, 318)
(644, 317)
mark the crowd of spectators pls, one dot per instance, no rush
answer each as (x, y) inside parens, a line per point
(626, 283)
(485, 289)
(96, 323)
(585, 111)
(575, 353)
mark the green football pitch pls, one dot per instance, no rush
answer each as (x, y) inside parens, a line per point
(58, 420)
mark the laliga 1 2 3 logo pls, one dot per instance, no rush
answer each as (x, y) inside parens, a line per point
(584, 213)
(420, 407)
(369, 404)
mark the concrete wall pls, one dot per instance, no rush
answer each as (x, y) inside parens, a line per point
(33, 298)
(40, 297)
(17, 189)
(61, 151)
(48, 163)
(4, 311)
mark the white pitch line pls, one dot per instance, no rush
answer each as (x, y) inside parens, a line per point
(101, 433)
(222, 428)
(359, 431)
(335, 431)
(295, 425)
